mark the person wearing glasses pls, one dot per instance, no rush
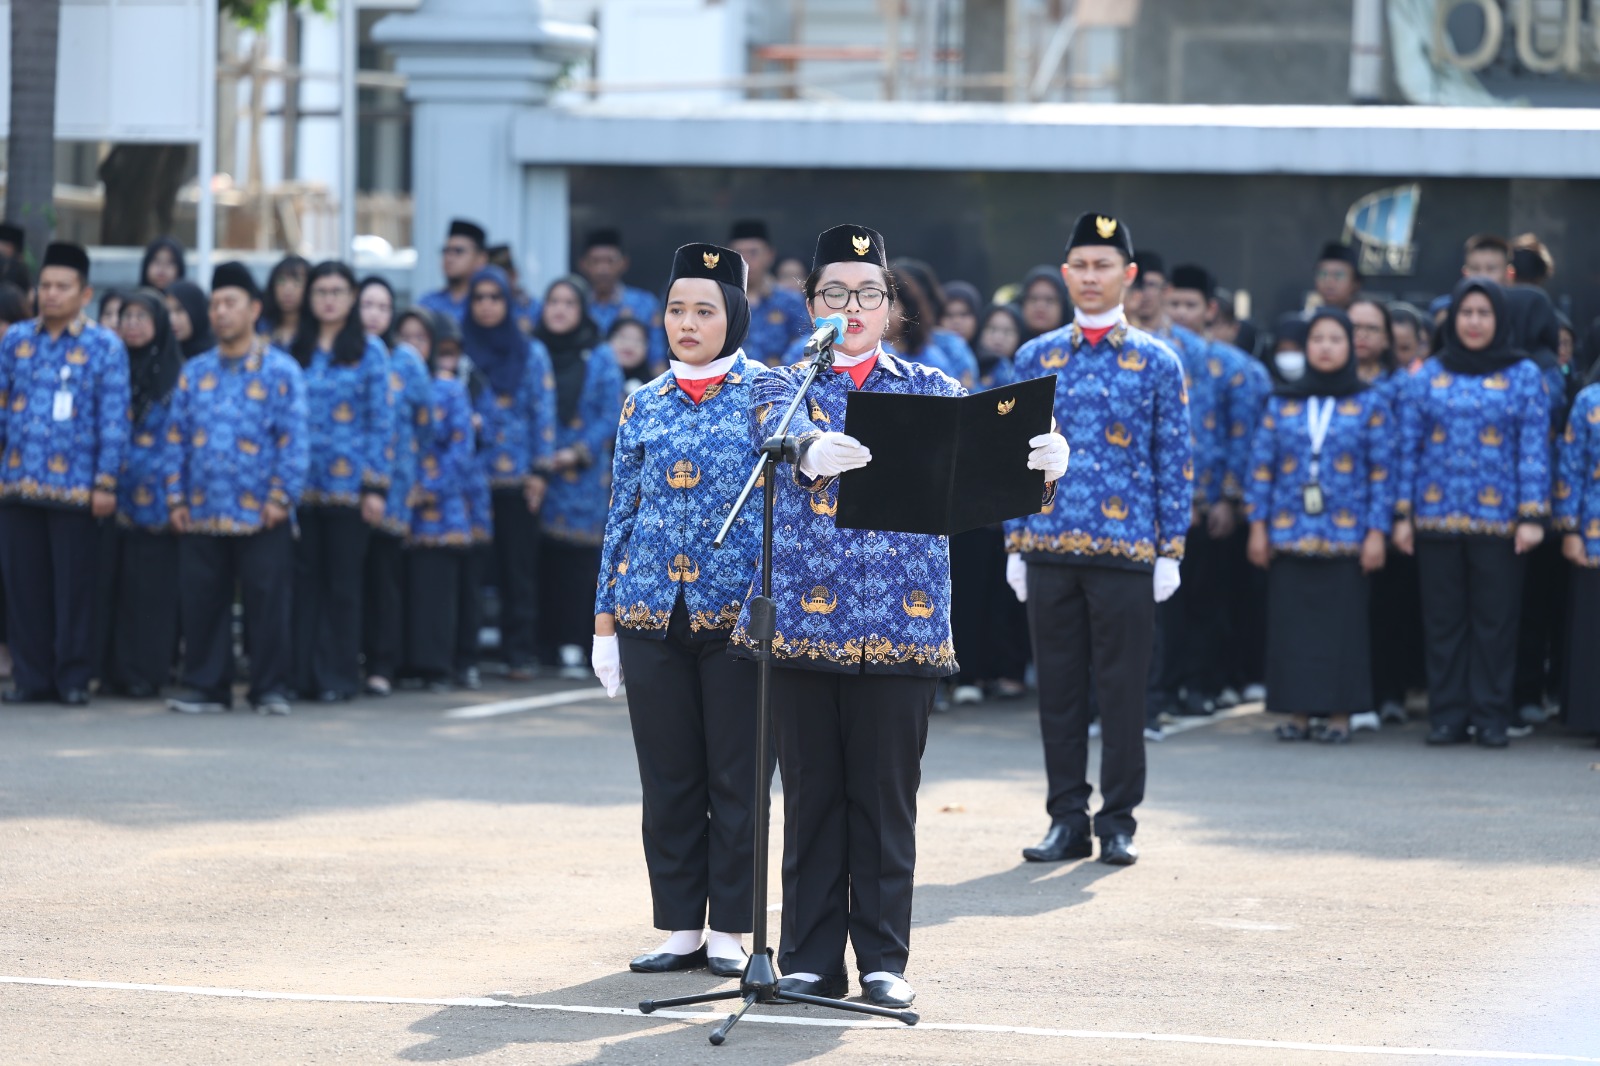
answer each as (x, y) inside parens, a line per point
(864, 624)
(465, 253)
(666, 603)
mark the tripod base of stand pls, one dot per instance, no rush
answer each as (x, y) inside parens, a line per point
(760, 985)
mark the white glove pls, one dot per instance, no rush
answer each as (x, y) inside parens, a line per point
(1167, 579)
(1050, 454)
(607, 663)
(1017, 576)
(832, 454)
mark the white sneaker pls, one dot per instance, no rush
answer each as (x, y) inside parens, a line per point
(1228, 697)
(1155, 733)
(1365, 720)
(967, 694)
(1094, 729)
(1255, 693)
(1516, 732)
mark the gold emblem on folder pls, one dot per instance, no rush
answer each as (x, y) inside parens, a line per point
(862, 245)
(1106, 227)
(711, 259)
(917, 604)
(1005, 406)
(818, 601)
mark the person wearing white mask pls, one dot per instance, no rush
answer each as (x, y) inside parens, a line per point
(665, 605)
(1092, 565)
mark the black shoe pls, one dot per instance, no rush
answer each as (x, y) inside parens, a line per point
(1493, 738)
(331, 696)
(140, 690)
(830, 986)
(1059, 845)
(75, 697)
(895, 994)
(27, 695)
(666, 962)
(726, 967)
(1118, 850)
(1440, 735)
(1196, 705)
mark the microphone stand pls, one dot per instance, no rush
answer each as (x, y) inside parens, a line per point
(759, 983)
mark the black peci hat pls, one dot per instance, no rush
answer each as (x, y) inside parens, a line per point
(749, 229)
(62, 253)
(1341, 253)
(12, 233)
(850, 244)
(710, 262)
(1190, 276)
(235, 275)
(1094, 229)
(460, 227)
(1150, 261)
(606, 237)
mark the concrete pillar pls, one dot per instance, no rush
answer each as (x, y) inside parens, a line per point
(471, 66)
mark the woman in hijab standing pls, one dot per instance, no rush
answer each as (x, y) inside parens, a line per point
(282, 300)
(349, 423)
(667, 603)
(162, 265)
(1473, 497)
(588, 401)
(1044, 301)
(1320, 502)
(516, 425)
(144, 583)
(1577, 519)
(189, 309)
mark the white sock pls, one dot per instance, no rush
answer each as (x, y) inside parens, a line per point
(725, 945)
(803, 976)
(880, 975)
(682, 942)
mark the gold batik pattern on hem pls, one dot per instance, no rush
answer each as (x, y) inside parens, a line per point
(225, 527)
(1080, 543)
(715, 621)
(1318, 548)
(1460, 523)
(873, 650)
(444, 540)
(640, 616)
(30, 491)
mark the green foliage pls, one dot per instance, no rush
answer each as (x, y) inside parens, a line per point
(252, 14)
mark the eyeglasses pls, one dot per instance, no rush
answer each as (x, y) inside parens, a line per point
(838, 297)
(487, 297)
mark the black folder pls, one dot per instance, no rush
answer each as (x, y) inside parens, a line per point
(945, 464)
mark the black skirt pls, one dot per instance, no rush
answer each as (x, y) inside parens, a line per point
(1319, 659)
(1582, 703)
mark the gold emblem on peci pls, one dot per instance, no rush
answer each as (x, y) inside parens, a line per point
(711, 259)
(1005, 406)
(862, 245)
(917, 604)
(1106, 227)
(818, 601)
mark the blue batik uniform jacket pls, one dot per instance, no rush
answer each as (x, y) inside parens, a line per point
(155, 454)
(850, 600)
(447, 471)
(525, 312)
(997, 375)
(575, 506)
(1205, 380)
(1475, 457)
(1121, 405)
(350, 420)
(1356, 471)
(1249, 386)
(518, 431)
(679, 466)
(59, 462)
(637, 304)
(775, 323)
(242, 423)
(410, 395)
(1577, 491)
(441, 301)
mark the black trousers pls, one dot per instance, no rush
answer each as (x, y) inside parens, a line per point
(469, 607)
(209, 568)
(567, 574)
(516, 563)
(989, 625)
(850, 751)
(328, 564)
(1096, 618)
(1541, 637)
(1471, 598)
(144, 609)
(1244, 592)
(1196, 646)
(1396, 630)
(1158, 696)
(434, 577)
(49, 558)
(693, 710)
(382, 608)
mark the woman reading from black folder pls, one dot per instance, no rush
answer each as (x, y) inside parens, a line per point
(863, 635)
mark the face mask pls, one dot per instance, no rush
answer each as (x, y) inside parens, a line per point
(1292, 365)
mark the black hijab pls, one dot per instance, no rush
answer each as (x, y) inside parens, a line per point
(171, 245)
(502, 352)
(153, 368)
(569, 351)
(1052, 274)
(1535, 329)
(1500, 353)
(1342, 382)
(737, 304)
(198, 308)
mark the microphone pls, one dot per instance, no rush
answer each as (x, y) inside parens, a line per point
(828, 330)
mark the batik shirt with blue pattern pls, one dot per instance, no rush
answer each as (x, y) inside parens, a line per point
(410, 393)
(575, 505)
(849, 600)
(1249, 387)
(351, 418)
(447, 471)
(637, 304)
(242, 423)
(679, 466)
(155, 453)
(1577, 489)
(1000, 373)
(1356, 471)
(1205, 379)
(55, 462)
(775, 323)
(442, 302)
(1125, 500)
(517, 431)
(1475, 455)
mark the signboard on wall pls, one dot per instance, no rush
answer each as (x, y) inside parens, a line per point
(126, 70)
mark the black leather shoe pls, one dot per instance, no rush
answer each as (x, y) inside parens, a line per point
(139, 690)
(27, 695)
(1060, 844)
(1493, 738)
(1441, 735)
(895, 994)
(75, 697)
(666, 962)
(831, 986)
(726, 967)
(1118, 850)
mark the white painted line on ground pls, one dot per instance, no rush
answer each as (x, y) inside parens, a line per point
(527, 703)
(786, 1019)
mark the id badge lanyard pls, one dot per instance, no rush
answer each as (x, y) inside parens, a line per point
(1319, 416)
